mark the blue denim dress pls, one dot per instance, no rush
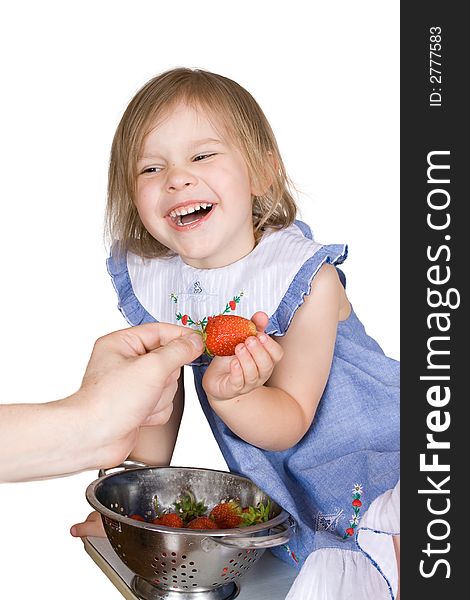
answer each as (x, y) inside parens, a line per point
(348, 457)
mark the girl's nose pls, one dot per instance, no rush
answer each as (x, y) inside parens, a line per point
(178, 179)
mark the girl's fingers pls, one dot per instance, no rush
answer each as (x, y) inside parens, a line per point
(274, 350)
(93, 526)
(237, 380)
(261, 357)
(247, 362)
(251, 367)
(265, 352)
(260, 319)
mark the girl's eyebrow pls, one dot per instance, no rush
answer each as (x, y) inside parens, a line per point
(206, 141)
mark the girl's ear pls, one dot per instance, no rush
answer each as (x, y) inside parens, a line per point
(266, 175)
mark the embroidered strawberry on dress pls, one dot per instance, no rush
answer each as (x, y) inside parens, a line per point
(232, 304)
(187, 320)
(356, 504)
(291, 553)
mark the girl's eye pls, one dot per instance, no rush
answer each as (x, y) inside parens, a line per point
(203, 156)
(151, 170)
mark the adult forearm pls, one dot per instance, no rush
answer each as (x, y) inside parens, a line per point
(44, 440)
(267, 417)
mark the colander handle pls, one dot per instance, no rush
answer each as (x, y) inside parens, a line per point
(127, 464)
(262, 541)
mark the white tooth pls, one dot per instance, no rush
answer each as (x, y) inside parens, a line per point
(209, 205)
(203, 205)
(173, 214)
(197, 207)
(190, 210)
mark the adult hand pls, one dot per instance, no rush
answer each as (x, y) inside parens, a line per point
(131, 380)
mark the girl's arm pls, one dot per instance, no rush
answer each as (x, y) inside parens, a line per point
(276, 415)
(155, 444)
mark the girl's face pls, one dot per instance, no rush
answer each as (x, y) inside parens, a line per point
(194, 193)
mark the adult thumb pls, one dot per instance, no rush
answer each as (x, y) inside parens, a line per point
(175, 354)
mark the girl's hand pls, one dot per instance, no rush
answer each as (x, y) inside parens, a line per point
(254, 361)
(91, 527)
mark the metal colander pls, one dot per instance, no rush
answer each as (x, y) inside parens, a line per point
(175, 563)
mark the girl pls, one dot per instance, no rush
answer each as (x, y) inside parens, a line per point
(203, 223)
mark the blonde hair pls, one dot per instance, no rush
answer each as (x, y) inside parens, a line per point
(244, 121)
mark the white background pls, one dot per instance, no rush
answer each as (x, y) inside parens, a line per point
(326, 75)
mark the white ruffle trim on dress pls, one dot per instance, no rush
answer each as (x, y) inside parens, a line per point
(334, 574)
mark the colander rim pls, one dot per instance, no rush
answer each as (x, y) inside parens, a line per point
(90, 494)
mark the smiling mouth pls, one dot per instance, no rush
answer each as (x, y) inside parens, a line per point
(188, 215)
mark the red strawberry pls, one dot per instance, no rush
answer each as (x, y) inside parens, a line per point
(184, 319)
(202, 523)
(169, 520)
(232, 304)
(137, 517)
(223, 332)
(227, 515)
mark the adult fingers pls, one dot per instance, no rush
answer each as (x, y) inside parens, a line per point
(174, 354)
(154, 335)
(159, 418)
(142, 338)
(164, 406)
